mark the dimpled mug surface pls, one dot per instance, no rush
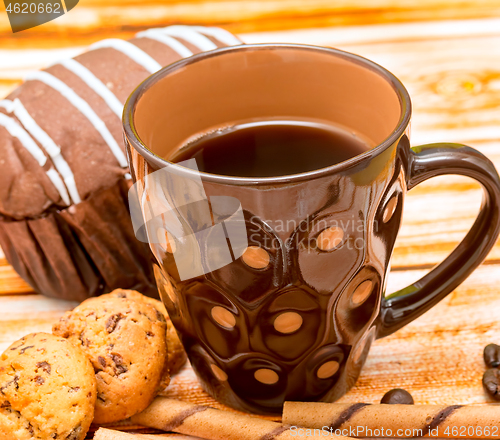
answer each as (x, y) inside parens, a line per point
(293, 313)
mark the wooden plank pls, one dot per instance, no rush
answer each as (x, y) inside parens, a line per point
(11, 282)
(455, 92)
(24, 314)
(375, 34)
(438, 357)
(106, 18)
(40, 55)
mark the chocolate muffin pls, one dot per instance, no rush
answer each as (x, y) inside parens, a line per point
(64, 219)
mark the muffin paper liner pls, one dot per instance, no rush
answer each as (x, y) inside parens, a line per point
(81, 251)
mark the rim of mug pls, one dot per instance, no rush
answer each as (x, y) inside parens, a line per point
(134, 138)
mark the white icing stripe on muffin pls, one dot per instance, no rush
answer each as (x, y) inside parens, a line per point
(58, 183)
(191, 36)
(7, 104)
(50, 147)
(30, 131)
(17, 131)
(95, 84)
(83, 107)
(132, 51)
(154, 34)
(222, 35)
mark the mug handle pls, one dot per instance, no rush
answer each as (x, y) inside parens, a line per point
(432, 160)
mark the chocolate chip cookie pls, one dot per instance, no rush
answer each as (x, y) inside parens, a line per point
(47, 390)
(176, 355)
(125, 341)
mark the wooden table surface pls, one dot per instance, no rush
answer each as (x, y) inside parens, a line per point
(447, 53)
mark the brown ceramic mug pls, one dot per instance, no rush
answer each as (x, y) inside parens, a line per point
(299, 326)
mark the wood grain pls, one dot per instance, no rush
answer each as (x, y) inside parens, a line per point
(10, 282)
(98, 19)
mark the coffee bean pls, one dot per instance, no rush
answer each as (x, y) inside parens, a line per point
(397, 396)
(491, 382)
(492, 355)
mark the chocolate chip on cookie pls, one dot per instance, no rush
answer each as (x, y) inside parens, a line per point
(47, 390)
(125, 341)
(176, 354)
(397, 396)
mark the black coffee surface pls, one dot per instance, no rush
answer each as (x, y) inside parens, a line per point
(269, 149)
